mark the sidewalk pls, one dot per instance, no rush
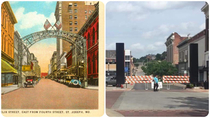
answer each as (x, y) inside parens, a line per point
(8, 89)
(112, 113)
(127, 87)
(92, 87)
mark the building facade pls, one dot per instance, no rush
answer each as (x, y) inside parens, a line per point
(53, 64)
(8, 21)
(205, 9)
(184, 56)
(171, 48)
(90, 31)
(72, 15)
(111, 63)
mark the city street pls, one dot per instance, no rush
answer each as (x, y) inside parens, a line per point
(161, 103)
(48, 94)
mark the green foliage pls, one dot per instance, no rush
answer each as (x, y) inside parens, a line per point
(144, 58)
(189, 85)
(159, 68)
(158, 57)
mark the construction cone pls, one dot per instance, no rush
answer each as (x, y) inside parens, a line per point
(121, 86)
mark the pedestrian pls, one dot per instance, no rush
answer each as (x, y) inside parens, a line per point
(155, 83)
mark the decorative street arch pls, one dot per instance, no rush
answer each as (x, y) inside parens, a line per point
(78, 44)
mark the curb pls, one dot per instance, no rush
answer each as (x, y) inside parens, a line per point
(9, 91)
(113, 113)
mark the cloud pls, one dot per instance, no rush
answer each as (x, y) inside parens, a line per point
(13, 2)
(32, 19)
(111, 46)
(140, 10)
(137, 46)
(162, 29)
(147, 48)
(202, 26)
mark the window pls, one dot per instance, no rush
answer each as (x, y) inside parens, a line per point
(186, 56)
(88, 40)
(70, 4)
(75, 16)
(75, 22)
(93, 36)
(93, 60)
(70, 29)
(70, 10)
(70, 23)
(75, 29)
(75, 4)
(85, 11)
(89, 65)
(75, 10)
(85, 16)
(70, 17)
(97, 32)
(89, 11)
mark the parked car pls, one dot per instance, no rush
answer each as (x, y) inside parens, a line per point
(111, 80)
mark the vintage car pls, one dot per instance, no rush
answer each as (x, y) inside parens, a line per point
(30, 80)
(75, 83)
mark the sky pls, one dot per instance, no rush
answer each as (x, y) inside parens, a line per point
(144, 26)
(31, 16)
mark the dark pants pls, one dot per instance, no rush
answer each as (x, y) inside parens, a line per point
(155, 86)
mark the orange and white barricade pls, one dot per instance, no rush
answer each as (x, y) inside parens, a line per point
(175, 79)
(139, 79)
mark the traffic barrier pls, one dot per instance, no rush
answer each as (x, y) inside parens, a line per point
(139, 79)
(175, 79)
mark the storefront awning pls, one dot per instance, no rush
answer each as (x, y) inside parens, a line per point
(7, 68)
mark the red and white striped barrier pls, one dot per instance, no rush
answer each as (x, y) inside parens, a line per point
(138, 79)
(176, 79)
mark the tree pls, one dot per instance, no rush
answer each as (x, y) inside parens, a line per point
(159, 68)
(158, 57)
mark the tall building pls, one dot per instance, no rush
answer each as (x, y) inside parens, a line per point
(8, 21)
(72, 15)
(172, 51)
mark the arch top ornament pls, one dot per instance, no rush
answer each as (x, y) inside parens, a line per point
(72, 38)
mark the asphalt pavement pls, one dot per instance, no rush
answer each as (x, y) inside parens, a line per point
(161, 103)
(142, 86)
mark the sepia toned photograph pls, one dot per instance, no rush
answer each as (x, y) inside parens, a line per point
(157, 59)
(50, 58)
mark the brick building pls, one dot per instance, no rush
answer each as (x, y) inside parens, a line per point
(8, 21)
(90, 32)
(171, 47)
(72, 15)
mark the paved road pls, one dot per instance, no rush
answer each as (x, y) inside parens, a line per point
(48, 94)
(162, 103)
(172, 87)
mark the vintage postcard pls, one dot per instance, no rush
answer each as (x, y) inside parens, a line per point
(50, 57)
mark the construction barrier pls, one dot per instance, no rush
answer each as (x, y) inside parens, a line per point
(175, 79)
(139, 79)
